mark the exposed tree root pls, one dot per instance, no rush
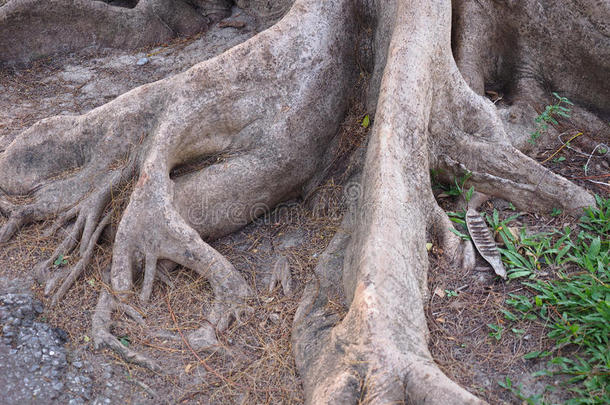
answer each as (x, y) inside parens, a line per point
(271, 106)
(31, 29)
(521, 50)
(378, 353)
(208, 110)
(100, 329)
(69, 277)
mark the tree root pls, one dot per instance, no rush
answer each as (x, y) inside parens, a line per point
(508, 51)
(70, 277)
(151, 206)
(504, 171)
(427, 117)
(208, 110)
(86, 215)
(378, 352)
(102, 337)
(31, 29)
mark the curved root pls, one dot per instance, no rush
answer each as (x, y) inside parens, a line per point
(89, 222)
(86, 23)
(460, 252)
(151, 206)
(10, 228)
(477, 142)
(102, 319)
(79, 267)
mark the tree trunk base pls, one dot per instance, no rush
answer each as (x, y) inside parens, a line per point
(272, 106)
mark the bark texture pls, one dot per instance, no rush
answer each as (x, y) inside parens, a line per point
(272, 106)
(31, 29)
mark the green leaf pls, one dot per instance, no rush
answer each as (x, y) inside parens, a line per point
(594, 249)
(519, 274)
(469, 193)
(562, 114)
(497, 331)
(460, 234)
(366, 121)
(125, 341)
(506, 384)
(509, 315)
(60, 261)
(532, 355)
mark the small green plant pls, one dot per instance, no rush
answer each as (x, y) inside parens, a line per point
(597, 220)
(497, 225)
(549, 115)
(125, 341)
(60, 261)
(496, 331)
(525, 254)
(559, 159)
(451, 293)
(458, 187)
(556, 212)
(366, 121)
(462, 235)
(530, 400)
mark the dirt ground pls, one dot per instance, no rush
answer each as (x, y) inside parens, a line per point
(255, 363)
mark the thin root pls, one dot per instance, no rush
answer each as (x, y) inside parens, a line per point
(80, 266)
(102, 337)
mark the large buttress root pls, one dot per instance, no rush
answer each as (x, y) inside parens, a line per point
(70, 168)
(194, 205)
(273, 138)
(523, 50)
(427, 118)
(475, 141)
(378, 352)
(151, 208)
(31, 29)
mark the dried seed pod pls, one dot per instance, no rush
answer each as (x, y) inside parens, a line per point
(484, 242)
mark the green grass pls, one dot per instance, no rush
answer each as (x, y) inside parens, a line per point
(574, 306)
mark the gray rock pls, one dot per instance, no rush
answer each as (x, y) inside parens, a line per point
(33, 359)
